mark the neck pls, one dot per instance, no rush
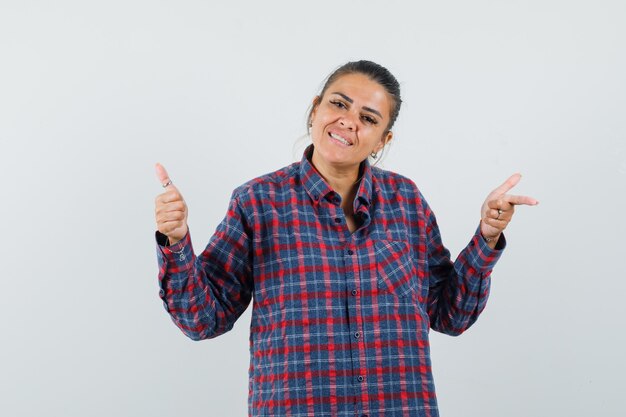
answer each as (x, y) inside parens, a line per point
(343, 180)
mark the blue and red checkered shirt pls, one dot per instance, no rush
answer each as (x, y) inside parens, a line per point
(340, 320)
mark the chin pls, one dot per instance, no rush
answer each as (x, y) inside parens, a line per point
(343, 157)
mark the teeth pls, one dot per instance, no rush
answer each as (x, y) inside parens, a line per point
(340, 139)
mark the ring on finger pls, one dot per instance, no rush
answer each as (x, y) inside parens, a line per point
(169, 182)
(499, 213)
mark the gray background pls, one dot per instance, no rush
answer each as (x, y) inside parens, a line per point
(92, 94)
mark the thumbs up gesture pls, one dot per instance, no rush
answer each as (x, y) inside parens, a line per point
(498, 209)
(170, 210)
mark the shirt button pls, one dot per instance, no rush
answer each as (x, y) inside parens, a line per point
(354, 292)
(360, 378)
(337, 220)
(357, 335)
(161, 293)
(350, 252)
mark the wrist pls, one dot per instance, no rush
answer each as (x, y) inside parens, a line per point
(492, 241)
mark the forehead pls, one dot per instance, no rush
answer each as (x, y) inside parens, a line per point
(364, 91)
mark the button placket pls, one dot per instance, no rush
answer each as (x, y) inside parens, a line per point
(354, 322)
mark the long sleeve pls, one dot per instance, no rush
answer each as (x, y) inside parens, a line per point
(458, 291)
(205, 294)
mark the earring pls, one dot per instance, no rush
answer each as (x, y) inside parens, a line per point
(374, 155)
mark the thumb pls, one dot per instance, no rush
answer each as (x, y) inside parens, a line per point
(161, 174)
(507, 185)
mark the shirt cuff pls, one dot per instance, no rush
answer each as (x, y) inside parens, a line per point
(179, 253)
(481, 256)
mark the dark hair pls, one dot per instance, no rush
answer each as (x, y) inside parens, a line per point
(376, 73)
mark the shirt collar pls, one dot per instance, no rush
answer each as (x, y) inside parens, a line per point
(364, 193)
(317, 188)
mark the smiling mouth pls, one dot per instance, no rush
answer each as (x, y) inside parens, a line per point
(340, 139)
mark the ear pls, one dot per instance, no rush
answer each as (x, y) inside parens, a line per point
(387, 137)
(314, 104)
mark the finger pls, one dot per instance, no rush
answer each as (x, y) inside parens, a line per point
(499, 204)
(508, 184)
(162, 212)
(168, 227)
(169, 196)
(174, 206)
(165, 218)
(500, 215)
(161, 174)
(520, 200)
(162, 203)
(170, 216)
(498, 224)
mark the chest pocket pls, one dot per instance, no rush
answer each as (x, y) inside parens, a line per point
(396, 272)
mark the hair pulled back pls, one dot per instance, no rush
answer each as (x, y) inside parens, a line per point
(374, 72)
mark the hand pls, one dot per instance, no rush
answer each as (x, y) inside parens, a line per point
(170, 210)
(498, 209)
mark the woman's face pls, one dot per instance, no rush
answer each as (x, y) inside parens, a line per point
(349, 122)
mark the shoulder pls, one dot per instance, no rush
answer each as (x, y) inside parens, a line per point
(268, 184)
(392, 186)
(389, 182)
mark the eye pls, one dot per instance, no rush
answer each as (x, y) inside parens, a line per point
(338, 103)
(369, 120)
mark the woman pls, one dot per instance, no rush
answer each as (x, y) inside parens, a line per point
(343, 261)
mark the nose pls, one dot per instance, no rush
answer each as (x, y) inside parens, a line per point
(347, 122)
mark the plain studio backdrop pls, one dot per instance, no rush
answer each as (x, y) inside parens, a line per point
(92, 94)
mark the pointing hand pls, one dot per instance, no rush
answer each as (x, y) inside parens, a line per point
(498, 209)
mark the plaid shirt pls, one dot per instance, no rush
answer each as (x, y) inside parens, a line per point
(340, 320)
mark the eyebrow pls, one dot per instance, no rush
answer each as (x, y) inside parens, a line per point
(349, 100)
